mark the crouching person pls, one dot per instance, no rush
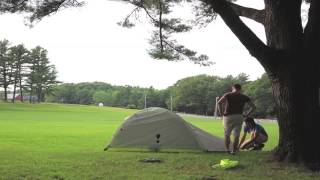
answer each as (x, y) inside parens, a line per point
(258, 135)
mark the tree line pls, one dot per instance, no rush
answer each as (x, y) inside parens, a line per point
(195, 94)
(25, 72)
(29, 74)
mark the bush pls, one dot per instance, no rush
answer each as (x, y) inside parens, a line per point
(131, 106)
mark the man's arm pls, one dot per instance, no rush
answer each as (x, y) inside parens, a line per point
(220, 102)
(252, 108)
(253, 137)
(243, 138)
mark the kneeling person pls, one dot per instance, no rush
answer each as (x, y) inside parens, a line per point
(258, 135)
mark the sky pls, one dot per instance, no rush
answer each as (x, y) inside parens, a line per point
(86, 44)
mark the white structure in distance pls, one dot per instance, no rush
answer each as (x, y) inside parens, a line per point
(100, 104)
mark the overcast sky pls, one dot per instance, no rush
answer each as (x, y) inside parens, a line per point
(86, 45)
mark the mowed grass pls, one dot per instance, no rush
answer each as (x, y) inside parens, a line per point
(51, 141)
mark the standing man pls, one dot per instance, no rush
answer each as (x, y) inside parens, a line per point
(233, 105)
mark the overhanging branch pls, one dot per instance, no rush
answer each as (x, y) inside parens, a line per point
(253, 44)
(12, 6)
(251, 13)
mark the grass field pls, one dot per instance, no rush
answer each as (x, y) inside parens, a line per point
(50, 141)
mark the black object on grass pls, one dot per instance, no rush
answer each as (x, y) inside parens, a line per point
(151, 160)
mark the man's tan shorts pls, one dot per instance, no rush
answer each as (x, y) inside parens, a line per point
(232, 123)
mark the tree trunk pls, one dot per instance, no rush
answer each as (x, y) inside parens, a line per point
(294, 77)
(5, 86)
(31, 94)
(14, 93)
(39, 93)
(14, 90)
(21, 90)
(290, 64)
(20, 84)
(5, 93)
(296, 92)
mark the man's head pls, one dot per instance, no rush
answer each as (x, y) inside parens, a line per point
(236, 87)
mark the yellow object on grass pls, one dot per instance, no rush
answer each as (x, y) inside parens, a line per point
(226, 164)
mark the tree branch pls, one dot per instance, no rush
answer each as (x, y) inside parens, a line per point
(160, 26)
(126, 22)
(248, 38)
(15, 6)
(41, 9)
(251, 13)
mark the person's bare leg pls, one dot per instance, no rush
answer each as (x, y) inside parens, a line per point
(227, 142)
(236, 144)
(236, 135)
(227, 133)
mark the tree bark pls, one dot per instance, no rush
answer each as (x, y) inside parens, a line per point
(297, 99)
(21, 88)
(253, 14)
(5, 94)
(295, 84)
(283, 24)
(5, 86)
(39, 93)
(14, 89)
(31, 93)
(15, 81)
(20, 83)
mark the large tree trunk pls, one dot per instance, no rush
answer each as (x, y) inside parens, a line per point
(296, 93)
(288, 58)
(294, 77)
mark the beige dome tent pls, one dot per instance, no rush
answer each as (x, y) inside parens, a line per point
(160, 129)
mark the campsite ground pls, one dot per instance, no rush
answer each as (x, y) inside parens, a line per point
(51, 141)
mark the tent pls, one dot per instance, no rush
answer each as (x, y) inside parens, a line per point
(160, 129)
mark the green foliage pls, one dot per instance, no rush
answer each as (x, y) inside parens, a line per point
(107, 98)
(118, 96)
(42, 76)
(195, 94)
(6, 72)
(29, 71)
(166, 26)
(19, 57)
(131, 106)
(261, 93)
(35, 10)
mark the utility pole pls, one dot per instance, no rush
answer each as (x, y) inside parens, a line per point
(171, 102)
(145, 100)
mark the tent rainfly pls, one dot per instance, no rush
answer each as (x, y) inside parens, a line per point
(158, 129)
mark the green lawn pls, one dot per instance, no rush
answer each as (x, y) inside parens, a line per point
(50, 141)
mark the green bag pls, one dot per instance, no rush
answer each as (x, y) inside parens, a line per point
(226, 164)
